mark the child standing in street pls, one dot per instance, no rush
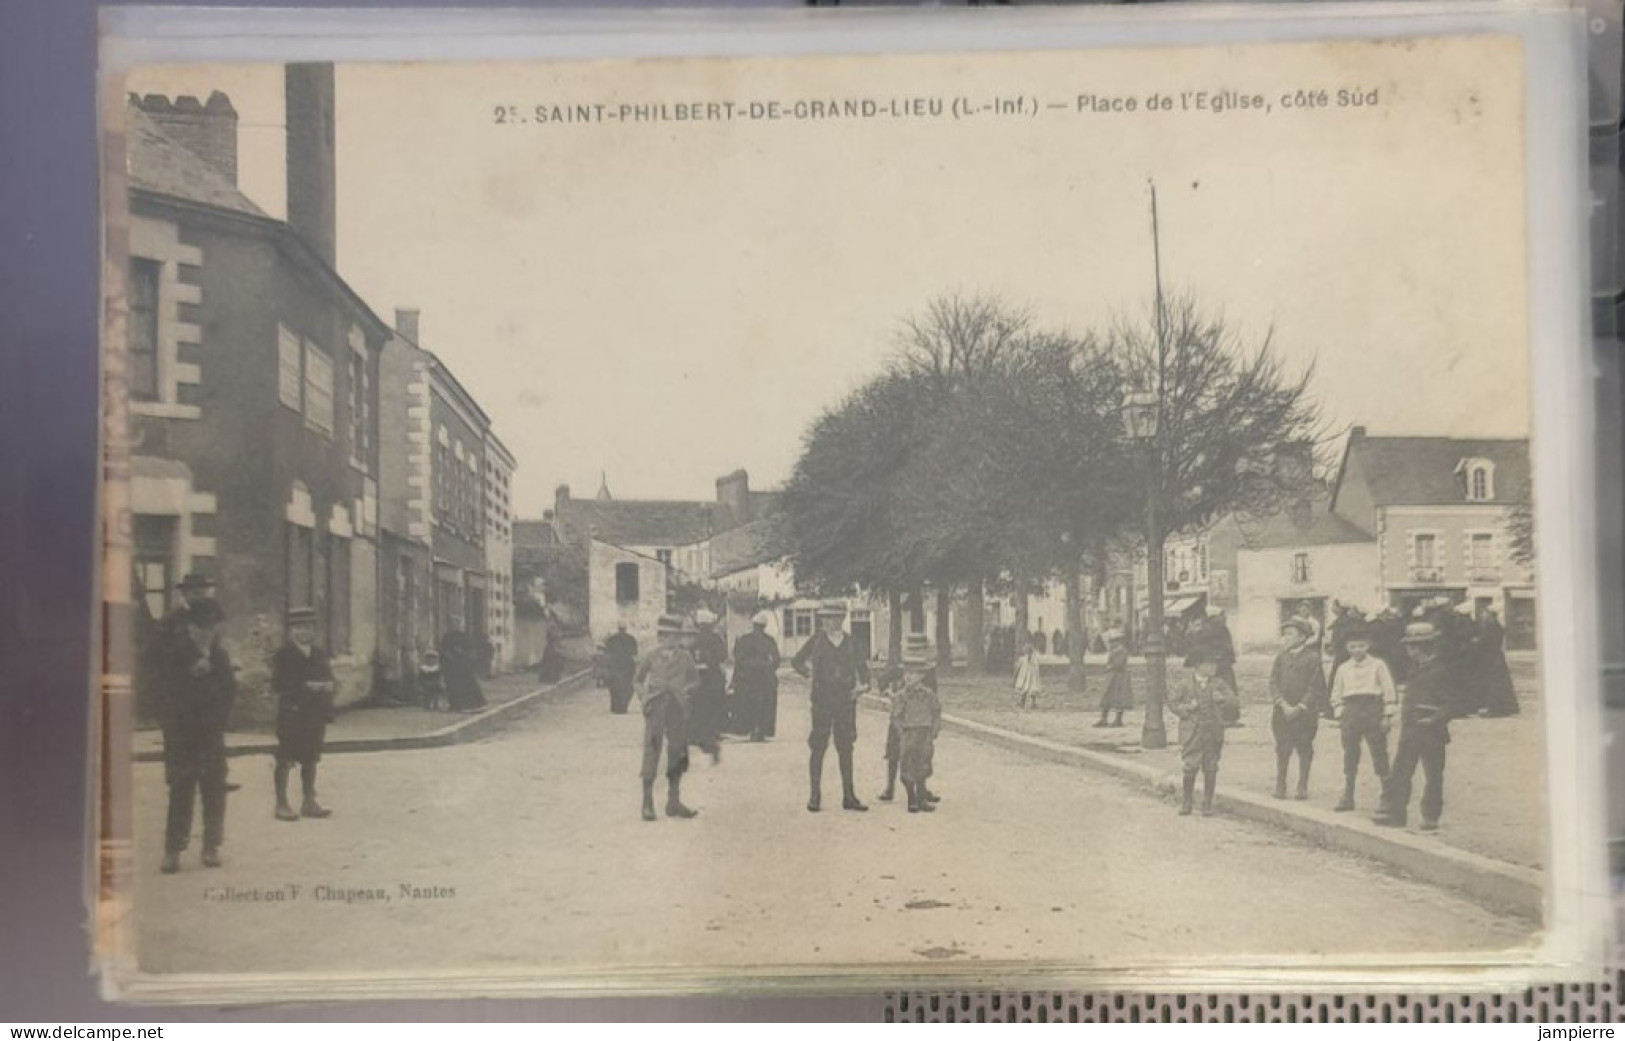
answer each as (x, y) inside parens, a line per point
(1201, 703)
(916, 716)
(1029, 680)
(1298, 690)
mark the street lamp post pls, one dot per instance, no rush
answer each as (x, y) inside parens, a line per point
(1141, 418)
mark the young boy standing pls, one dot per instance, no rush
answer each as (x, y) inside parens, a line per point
(1298, 689)
(666, 680)
(303, 681)
(916, 716)
(1202, 703)
(1365, 702)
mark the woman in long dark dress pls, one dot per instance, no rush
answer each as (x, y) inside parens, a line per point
(1493, 675)
(463, 692)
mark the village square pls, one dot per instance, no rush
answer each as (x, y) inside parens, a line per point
(1049, 643)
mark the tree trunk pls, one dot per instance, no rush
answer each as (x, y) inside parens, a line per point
(975, 628)
(894, 628)
(1024, 629)
(1077, 641)
(945, 648)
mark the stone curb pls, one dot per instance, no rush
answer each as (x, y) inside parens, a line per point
(1503, 886)
(469, 728)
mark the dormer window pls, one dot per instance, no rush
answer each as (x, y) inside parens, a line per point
(1479, 475)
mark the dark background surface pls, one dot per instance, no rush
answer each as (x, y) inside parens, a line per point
(49, 264)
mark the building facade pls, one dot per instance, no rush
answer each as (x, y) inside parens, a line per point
(252, 377)
(446, 510)
(1439, 511)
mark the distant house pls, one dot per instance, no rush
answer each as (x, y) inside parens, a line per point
(1438, 510)
(609, 561)
(1303, 556)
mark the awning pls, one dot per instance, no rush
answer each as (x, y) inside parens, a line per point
(1178, 604)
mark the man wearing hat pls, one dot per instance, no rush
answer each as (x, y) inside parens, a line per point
(1424, 731)
(1365, 702)
(710, 652)
(1298, 690)
(665, 680)
(756, 679)
(302, 678)
(620, 665)
(197, 687)
(1201, 702)
(832, 662)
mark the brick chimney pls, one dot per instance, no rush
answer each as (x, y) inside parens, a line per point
(312, 166)
(561, 500)
(406, 323)
(207, 129)
(733, 491)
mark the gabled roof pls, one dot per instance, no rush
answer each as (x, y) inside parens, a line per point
(746, 546)
(646, 522)
(157, 163)
(1317, 526)
(1427, 471)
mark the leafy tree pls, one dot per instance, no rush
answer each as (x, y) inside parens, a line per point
(1521, 525)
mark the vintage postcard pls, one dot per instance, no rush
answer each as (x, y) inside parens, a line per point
(732, 522)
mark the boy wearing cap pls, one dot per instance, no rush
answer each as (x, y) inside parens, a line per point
(1364, 701)
(1424, 731)
(1202, 703)
(832, 662)
(916, 717)
(303, 681)
(666, 680)
(197, 690)
(1298, 690)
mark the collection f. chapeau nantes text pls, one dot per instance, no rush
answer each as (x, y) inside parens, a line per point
(1214, 102)
(289, 893)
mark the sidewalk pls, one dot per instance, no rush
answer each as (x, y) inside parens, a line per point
(1492, 838)
(377, 729)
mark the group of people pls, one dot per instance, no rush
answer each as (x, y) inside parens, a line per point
(681, 687)
(186, 672)
(1386, 674)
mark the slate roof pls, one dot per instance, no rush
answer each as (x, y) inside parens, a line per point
(1422, 471)
(1320, 528)
(745, 547)
(156, 163)
(645, 522)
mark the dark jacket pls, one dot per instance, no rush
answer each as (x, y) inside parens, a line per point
(835, 671)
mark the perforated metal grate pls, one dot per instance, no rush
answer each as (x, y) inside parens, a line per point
(1587, 1003)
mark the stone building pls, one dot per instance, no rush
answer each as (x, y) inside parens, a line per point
(445, 513)
(252, 380)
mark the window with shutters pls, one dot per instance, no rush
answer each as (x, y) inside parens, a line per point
(289, 371)
(318, 389)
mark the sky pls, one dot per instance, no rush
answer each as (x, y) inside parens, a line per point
(664, 303)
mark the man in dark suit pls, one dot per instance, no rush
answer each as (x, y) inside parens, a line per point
(303, 681)
(832, 662)
(196, 690)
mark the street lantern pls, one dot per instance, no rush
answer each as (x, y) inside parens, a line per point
(1141, 417)
(1140, 414)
